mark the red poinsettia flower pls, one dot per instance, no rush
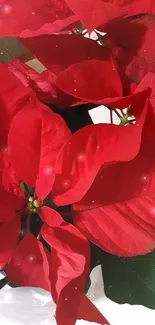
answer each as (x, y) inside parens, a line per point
(122, 211)
(82, 156)
(28, 263)
(34, 17)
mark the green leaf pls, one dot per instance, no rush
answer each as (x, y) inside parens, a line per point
(30, 189)
(130, 280)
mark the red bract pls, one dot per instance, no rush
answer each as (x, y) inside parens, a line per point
(31, 265)
(133, 7)
(43, 84)
(65, 50)
(83, 58)
(122, 212)
(94, 13)
(135, 56)
(10, 105)
(80, 80)
(34, 17)
(41, 134)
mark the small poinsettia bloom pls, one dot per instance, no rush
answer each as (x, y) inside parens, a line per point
(122, 211)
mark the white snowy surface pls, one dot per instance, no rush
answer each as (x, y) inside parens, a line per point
(32, 306)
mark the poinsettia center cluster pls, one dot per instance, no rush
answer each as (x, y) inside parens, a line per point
(33, 204)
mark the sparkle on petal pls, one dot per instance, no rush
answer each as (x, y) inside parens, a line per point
(80, 156)
(6, 9)
(66, 183)
(48, 170)
(31, 258)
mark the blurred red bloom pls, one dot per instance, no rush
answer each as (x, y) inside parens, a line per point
(135, 56)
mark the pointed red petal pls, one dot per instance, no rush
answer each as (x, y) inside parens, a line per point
(50, 216)
(9, 236)
(8, 205)
(75, 48)
(69, 268)
(10, 180)
(41, 83)
(91, 12)
(32, 16)
(124, 229)
(135, 57)
(41, 137)
(77, 80)
(89, 312)
(91, 147)
(26, 267)
(13, 95)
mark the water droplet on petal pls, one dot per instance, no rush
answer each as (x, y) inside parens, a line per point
(74, 89)
(93, 201)
(33, 13)
(76, 288)
(66, 299)
(137, 124)
(144, 50)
